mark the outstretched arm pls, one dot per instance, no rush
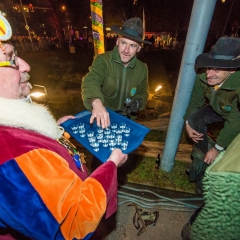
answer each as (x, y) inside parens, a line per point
(64, 119)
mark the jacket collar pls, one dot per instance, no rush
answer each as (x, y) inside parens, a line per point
(231, 83)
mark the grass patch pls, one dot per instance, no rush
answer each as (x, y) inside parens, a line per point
(156, 136)
(160, 136)
(142, 170)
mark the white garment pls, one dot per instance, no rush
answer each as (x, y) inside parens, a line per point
(34, 117)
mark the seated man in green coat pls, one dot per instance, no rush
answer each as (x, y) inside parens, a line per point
(215, 98)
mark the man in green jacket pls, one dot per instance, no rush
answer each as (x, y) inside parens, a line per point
(215, 98)
(117, 79)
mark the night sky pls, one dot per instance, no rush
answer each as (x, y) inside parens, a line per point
(161, 15)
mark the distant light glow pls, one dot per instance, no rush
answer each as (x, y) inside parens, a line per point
(158, 88)
(37, 94)
(38, 91)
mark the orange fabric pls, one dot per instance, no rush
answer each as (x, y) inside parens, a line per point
(77, 206)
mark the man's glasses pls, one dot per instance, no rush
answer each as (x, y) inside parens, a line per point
(12, 63)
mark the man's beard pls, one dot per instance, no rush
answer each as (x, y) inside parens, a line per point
(24, 78)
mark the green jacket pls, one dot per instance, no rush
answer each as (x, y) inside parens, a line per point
(109, 80)
(224, 101)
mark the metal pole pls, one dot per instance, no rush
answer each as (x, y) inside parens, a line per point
(25, 19)
(201, 16)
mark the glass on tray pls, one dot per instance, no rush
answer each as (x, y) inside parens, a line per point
(95, 146)
(99, 129)
(122, 126)
(127, 131)
(90, 134)
(92, 140)
(99, 137)
(124, 145)
(118, 138)
(74, 128)
(113, 127)
(82, 132)
(107, 131)
(112, 143)
(105, 142)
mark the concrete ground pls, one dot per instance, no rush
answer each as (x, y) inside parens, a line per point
(175, 209)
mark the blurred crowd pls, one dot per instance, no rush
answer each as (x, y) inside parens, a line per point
(44, 43)
(163, 43)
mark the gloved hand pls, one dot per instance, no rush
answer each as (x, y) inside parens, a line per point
(133, 106)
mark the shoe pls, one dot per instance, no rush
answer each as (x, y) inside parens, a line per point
(188, 168)
(185, 234)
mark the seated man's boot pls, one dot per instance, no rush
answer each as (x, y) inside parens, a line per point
(185, 234)
(186, 230)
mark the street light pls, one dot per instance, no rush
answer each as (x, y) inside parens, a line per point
(86, 32)
(38, 91)
(68, 32)
(26, 24)
(227, 17)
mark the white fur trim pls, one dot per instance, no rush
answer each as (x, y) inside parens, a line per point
(30, 116)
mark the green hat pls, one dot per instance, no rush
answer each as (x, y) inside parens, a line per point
(132, 29)
(224, 54)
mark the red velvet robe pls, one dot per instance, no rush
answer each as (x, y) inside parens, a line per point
(44, 195)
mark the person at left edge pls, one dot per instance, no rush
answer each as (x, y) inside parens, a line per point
(42, 195)
(117, 79)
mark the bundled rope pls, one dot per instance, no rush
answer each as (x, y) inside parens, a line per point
(178, 204)
(143, 218)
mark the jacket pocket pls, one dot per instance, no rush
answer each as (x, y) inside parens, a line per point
(224, 105)
(110, 87)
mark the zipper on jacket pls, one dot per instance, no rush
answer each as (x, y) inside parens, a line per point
(212, 96)
(122, 88)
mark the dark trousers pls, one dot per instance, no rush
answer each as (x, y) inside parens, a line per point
(199, 121)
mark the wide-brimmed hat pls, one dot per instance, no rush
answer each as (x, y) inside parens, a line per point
(133, 29)
(224, 54)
